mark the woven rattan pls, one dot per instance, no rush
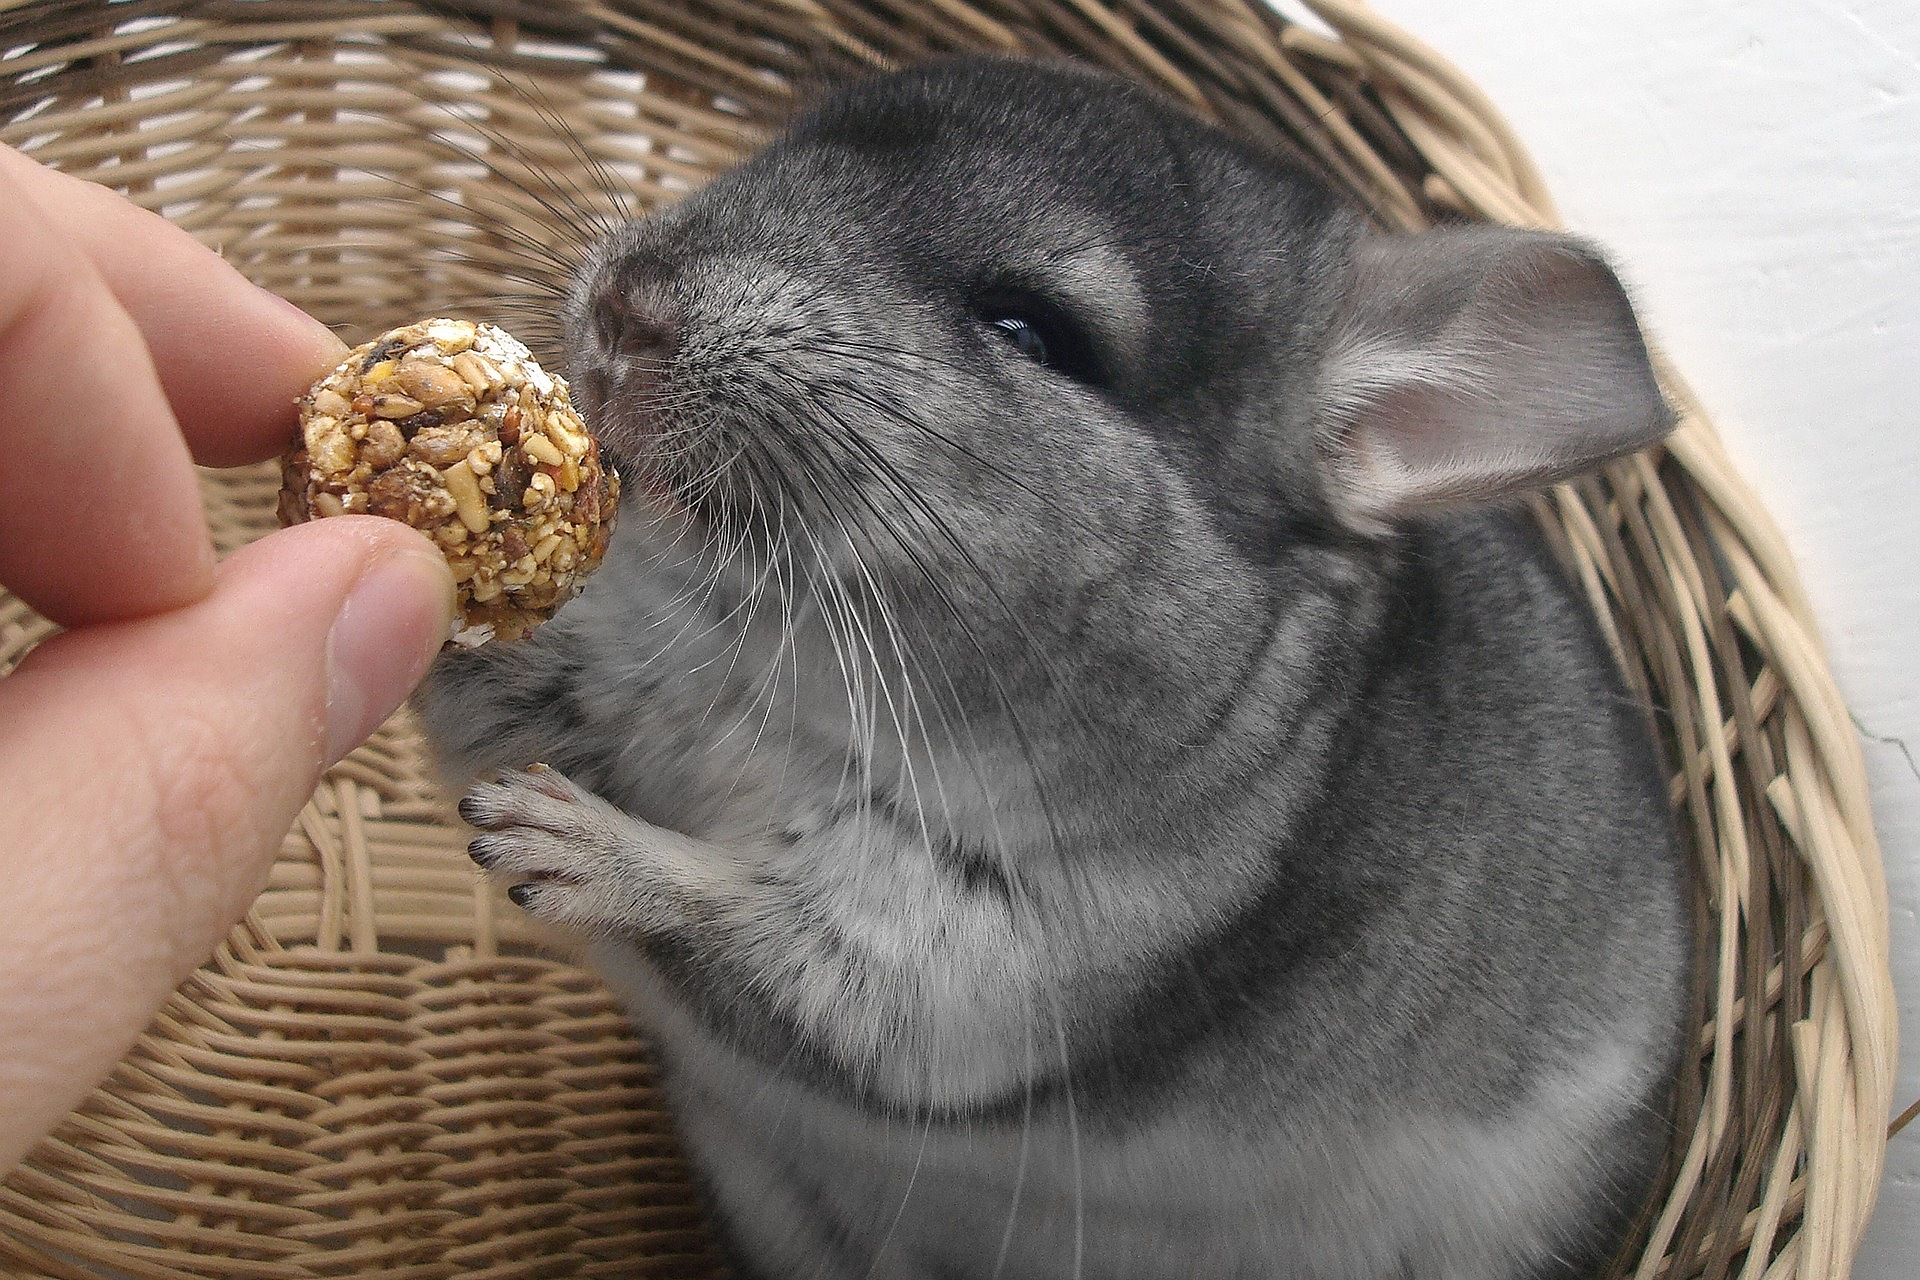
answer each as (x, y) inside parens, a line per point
(380, 1074)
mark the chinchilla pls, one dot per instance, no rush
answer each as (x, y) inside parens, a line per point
(1069, 760)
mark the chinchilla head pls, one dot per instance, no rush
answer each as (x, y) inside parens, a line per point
(1046, 394)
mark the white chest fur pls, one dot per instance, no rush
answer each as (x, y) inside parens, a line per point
(816, 1186)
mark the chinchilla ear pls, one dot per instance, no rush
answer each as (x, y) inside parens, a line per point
(1472, 361)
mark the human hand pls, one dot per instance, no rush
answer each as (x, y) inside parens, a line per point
(153, 756)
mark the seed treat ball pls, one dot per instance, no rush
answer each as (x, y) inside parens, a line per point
(452, 427)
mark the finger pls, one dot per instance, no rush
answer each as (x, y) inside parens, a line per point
(153, 768)
(231, 356)
(100, 514)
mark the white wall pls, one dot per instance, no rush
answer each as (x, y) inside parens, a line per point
(1755, 164)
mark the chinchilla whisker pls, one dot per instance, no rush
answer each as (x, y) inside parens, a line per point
(514, 260)
(906, 1194)
(766, 690)
(888, 474)
(894, 412)
(863, 630)
(837, 620)
(691, 603)
(866, 717)
(914, 359)
(914, 716)
(502, 232)
(885, 471)
(790, 646)
(531, 302)
(1006, 701)
(1073, 1145)
(650, 364)
(565, 208)
(695, 598)
(538, 280)
(502, 139)
(704, 485)
(846, 437)
(906, 653)
(754, 594)
(883, 466)
(833, 619)
(909, 659)
(541, 280)
(973, 755)
(529, 313)
(706, 590)
(474, 213)
(823, 587)
(1061, 685)
(867, 731)
(662, 453)
(785, 652)
(621, 199)
(1026, 1142)
(878, 467)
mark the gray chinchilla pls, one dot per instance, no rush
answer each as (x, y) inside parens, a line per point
(1057, 761)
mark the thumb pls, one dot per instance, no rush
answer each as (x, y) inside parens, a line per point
(150, 768)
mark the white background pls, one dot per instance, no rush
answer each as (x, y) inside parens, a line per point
(1755, 165)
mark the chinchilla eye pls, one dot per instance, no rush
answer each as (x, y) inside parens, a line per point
(1025, 336)
(1042, 331)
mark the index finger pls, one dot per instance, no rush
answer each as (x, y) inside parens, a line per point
(230, 356)
(100, 514)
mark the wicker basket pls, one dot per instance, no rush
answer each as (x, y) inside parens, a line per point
(380, 1074)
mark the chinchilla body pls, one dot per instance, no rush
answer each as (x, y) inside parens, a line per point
(1068, 759)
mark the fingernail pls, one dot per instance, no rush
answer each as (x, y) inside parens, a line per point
(386, 634)
(325, 339)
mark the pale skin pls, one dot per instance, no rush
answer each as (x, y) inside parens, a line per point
(153, 755)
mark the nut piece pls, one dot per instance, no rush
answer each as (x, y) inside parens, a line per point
(453, 428)
(468, 502)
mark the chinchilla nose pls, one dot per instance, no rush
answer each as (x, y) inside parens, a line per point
(639, 319)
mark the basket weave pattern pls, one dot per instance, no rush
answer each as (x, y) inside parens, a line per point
(380, 1074)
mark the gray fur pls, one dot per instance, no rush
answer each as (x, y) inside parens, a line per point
(1080, 820)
